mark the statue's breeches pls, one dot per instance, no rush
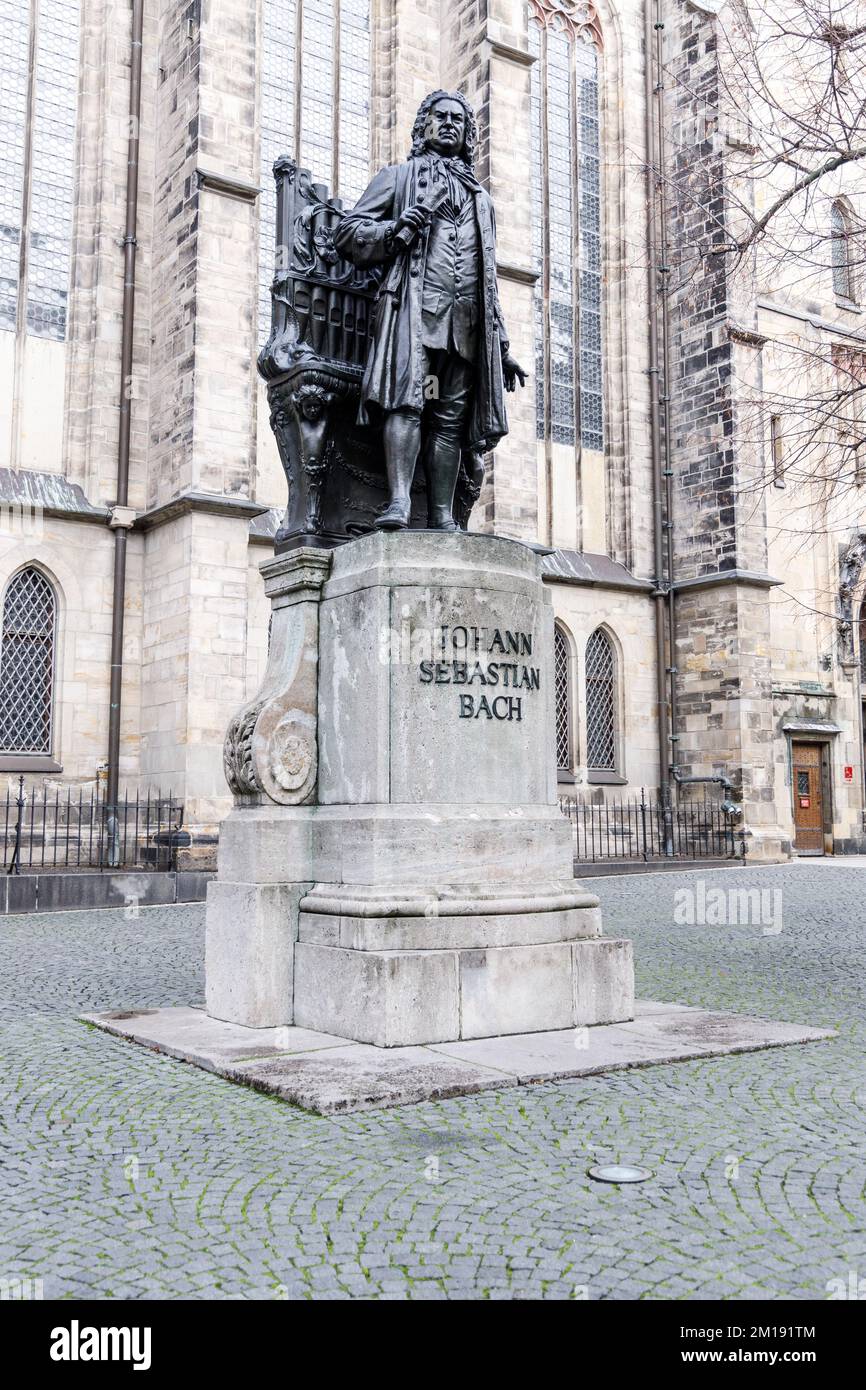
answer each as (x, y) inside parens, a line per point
(448, 393)
(448, 383)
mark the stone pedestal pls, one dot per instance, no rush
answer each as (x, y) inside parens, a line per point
(396, 869)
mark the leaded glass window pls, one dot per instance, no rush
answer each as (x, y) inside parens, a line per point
(27, 664)
(601, 698)
(564, 36)
(841, 253)
(315, 106)
(37, 163)
(563, 698)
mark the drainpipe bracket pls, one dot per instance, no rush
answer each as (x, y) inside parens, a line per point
(123, 517)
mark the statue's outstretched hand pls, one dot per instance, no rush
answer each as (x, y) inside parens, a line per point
(512, 372)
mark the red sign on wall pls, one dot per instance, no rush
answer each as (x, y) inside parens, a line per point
(849, 774)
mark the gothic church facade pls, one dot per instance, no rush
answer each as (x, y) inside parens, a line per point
(622, 461)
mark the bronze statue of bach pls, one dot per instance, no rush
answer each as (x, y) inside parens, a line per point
(439, 361)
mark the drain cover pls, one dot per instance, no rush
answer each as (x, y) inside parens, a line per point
(619, 1172)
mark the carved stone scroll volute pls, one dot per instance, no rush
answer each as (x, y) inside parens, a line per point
(271, 750)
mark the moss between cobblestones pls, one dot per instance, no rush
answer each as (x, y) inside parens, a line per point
(241, 1196)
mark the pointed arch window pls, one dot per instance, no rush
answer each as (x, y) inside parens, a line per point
(27, 664)
(564, 701)
(39, 48)
(601, 703)
(315, 106)
(565, 38)
(842, 253)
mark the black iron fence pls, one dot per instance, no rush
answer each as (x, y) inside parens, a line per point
(75, 829)
(642, 826)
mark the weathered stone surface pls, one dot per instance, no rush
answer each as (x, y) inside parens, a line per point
(720, 1033)
(418, 629)
(249, 952)
(390, 998)
(194, 1036)
(267, 844)
(357, 1077)
(603, 981)
(441, 932)
(516, 989)
(573, 1052)
(329, 1074)
(441, 844)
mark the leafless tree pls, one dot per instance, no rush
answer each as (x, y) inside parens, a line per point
(785, 194)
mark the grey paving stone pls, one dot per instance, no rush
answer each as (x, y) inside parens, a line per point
(239, 1179)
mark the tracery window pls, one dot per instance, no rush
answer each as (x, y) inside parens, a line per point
(563, 696)
(315, 106)
(601, 703)
(39, 55)
(565, 37)
(842, 253)
(27, 664)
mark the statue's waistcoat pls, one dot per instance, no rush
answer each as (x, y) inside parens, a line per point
(449, 298)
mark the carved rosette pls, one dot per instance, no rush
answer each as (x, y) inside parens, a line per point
(285, 753)
(291, 756)
(272, 753)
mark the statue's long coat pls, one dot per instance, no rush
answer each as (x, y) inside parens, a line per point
(395, 370)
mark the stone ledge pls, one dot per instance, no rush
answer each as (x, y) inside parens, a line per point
(213, 503)
(328, 1075)
(76, 891)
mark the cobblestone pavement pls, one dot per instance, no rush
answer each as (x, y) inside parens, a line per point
(129, 1175)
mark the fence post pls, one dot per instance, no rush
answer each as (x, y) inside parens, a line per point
(15, 862)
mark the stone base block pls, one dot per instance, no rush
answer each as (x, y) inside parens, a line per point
(767, 847)
(516, 989)
(447, 843)
(403, 998)
(603, 981)
(398, 847)
(449, 916)
(267, 844)
(390, 998)
(249, 949)
(471, 931)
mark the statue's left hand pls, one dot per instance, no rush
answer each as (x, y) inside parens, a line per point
(512, 372)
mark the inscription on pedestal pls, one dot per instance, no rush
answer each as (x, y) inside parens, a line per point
(473, 667)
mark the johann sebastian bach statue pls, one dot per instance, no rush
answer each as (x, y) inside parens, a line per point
(438, 363)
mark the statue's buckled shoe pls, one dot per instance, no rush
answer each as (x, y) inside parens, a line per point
(395, 517)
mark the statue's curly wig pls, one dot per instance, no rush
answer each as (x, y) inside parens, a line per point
(470, 140)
